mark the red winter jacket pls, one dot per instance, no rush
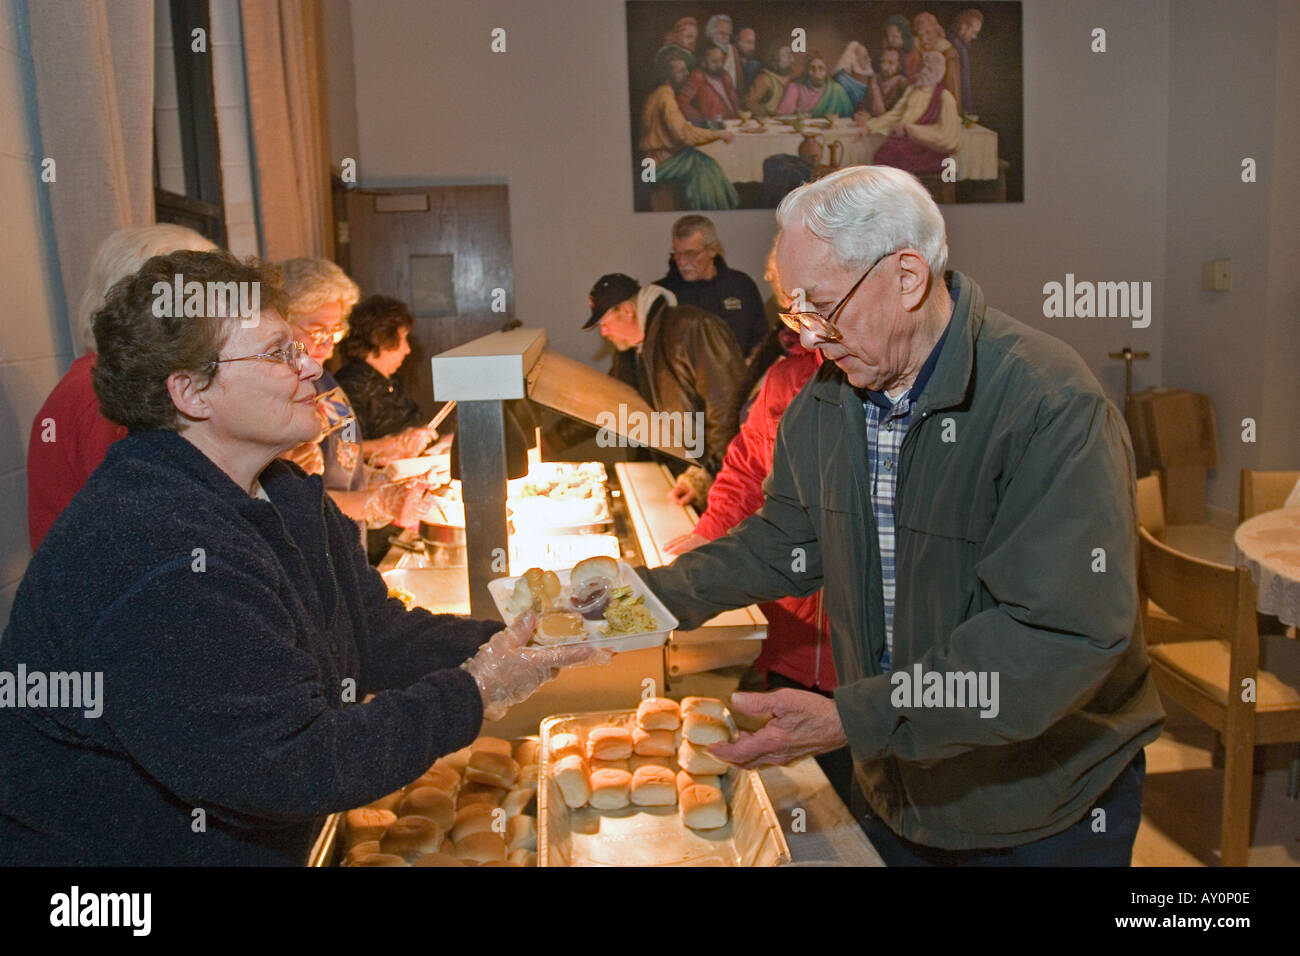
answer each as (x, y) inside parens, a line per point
(797, 645)
(698, 100)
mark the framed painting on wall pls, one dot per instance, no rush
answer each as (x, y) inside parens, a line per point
(734, 104)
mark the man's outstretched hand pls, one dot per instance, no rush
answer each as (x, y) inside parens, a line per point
(802, 724)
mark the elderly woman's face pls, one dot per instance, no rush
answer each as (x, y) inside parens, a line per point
(263, 402)
(321, 330)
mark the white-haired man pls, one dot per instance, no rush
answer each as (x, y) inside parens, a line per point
(718, 29)
(962, 489)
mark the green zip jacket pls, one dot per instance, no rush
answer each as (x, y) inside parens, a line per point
(1016, 557)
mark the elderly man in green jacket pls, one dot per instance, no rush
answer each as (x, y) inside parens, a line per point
(961, 488)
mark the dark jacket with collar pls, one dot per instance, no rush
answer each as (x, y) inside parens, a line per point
(381, 401)
(233, 637)
(1015, 555)
(689, 363)
(730, 295)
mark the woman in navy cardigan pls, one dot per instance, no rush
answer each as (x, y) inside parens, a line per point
(226, 606)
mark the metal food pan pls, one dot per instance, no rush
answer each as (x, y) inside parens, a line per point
(651, 836)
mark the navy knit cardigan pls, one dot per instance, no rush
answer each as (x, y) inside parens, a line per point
(235, 638)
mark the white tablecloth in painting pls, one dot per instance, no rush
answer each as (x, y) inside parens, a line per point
(1269, 544)
(742, 160)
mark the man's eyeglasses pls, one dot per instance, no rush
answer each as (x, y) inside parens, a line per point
(293, 355)
(824, 326)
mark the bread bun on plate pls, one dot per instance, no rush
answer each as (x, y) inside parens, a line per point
(586, 572)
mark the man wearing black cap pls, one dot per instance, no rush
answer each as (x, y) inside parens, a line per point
(680, 358)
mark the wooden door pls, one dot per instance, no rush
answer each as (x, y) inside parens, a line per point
(443, 250)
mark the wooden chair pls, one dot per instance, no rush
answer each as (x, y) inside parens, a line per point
(1263, 491)
(1207, 677)
(1151, 506)
(1158, 626)
(1267, 491)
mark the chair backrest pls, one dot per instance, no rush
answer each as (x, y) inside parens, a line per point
(1210, 597)
(1263, 491)
(1151, 506)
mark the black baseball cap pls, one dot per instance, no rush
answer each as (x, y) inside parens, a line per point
(609, 291)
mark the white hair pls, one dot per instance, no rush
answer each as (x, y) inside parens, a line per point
(124, 253)
(312, 283)
(865, 212)
(711, 27)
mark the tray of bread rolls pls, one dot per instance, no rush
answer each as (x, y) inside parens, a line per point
(639, 788)
(474, 807)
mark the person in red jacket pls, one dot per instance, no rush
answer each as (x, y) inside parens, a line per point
(709, 95)
(797, 652)
(69, 436)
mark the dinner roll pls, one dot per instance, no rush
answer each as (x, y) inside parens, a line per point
(496, 745)
(483, 793)
(526, 779)
(437, 859)
(599, 568)
(411, 836)
(523, 857)
(481, 848)
(378, 859)
(702, 808)
(564, 744)
(609, 743)
(457, 760)
(491, 768)
(685, 780)
(654, 743)
(361, 849)
(367, 824)
(444, 778)
(653, 787)
(704, 705)
(446, 763)
(695, 759)
(704, 729)
(527, 751)
(475, 819)
(501, 863)
(516, 802)
(658, 713)
(637, 761)
(610, 789)
(386, 802)
(521, 833)
(570, 775)
(430, 802)
(595, 765)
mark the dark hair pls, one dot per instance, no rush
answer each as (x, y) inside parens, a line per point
(375, 325)
(138, 348)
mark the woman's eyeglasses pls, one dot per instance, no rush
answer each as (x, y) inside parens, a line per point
(321, 336)
(824, 326)
(293, 355)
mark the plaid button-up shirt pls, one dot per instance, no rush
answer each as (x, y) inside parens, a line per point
(887, 423)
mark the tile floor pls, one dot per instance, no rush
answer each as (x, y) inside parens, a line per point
(1183, 796)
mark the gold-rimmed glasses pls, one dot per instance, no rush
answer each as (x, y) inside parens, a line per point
(824, 325)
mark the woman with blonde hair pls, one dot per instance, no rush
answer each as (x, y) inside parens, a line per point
(69, 436)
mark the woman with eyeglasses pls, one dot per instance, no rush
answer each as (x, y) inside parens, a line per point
(214, 612)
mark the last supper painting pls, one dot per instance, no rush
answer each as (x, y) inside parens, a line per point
(733, 105)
